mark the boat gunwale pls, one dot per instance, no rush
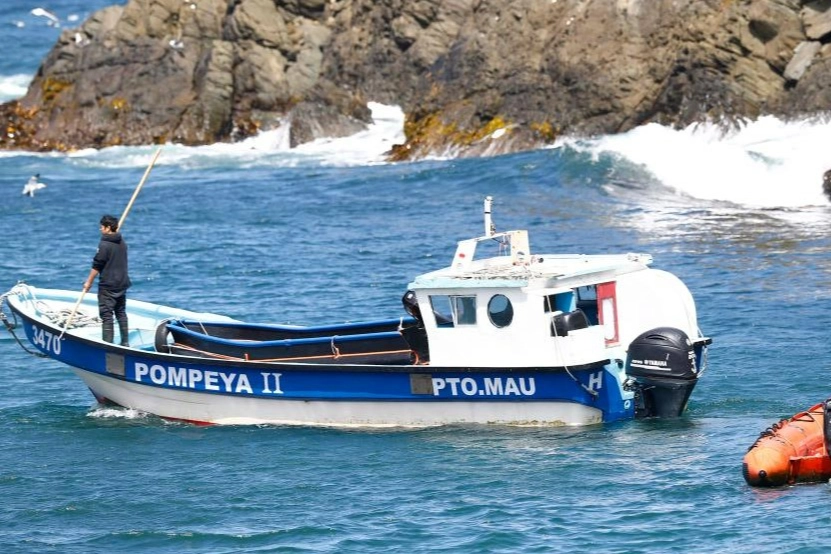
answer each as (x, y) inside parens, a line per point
(401, 321)
(254, 365)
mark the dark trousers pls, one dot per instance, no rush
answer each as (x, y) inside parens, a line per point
(113, 304)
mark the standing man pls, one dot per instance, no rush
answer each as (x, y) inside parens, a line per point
(110, 263)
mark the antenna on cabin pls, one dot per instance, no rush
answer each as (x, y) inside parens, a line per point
(490, 228)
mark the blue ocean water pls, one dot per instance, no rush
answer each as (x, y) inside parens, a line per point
(331, 233)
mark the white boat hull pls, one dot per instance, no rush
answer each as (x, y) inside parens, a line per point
(234, 410)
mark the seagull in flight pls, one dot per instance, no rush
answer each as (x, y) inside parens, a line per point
(53, 19)
(33, 185)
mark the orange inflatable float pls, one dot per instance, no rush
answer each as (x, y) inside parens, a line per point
(794, 450)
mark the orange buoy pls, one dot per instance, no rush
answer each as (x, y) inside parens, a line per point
(790, 451)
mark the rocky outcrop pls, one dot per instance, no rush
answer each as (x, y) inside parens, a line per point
(474, 77)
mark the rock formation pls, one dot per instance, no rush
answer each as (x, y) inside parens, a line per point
(474, 77)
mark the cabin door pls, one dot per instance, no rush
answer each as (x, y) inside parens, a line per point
(607, 312)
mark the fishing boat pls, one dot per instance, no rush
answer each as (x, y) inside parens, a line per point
(793, 450)
(501, 335)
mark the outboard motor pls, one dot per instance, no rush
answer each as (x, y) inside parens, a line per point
(662, 371)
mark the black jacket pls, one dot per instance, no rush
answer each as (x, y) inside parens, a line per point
(111, 263)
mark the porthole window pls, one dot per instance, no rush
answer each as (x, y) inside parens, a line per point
(500, 310)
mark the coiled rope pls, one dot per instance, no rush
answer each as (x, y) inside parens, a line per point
(61, 317)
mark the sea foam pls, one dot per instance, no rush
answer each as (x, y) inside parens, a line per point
(13, 87)
(767, 163)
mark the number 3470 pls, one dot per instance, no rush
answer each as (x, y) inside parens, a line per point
(46, 341)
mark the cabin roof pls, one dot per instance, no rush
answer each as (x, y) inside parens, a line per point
(537, 270)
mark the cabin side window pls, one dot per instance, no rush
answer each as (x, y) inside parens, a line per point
(562, 302)
(500, 310)
(587, 301)
(567, 310)
(455, 309)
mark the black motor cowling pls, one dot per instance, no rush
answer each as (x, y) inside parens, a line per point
(662, 370)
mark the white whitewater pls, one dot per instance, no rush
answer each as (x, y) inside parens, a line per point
(768, 163)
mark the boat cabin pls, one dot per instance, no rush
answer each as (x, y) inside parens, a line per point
(521, 310)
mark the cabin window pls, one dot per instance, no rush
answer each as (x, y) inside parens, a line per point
(500, 310)
(442, 311)
(464, 308)
(452, 310)
(562, 302)
(587, 301)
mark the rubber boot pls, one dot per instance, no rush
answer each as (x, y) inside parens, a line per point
(125, 332)
(107, 331)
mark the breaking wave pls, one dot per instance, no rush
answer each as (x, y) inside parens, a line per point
(767, 163)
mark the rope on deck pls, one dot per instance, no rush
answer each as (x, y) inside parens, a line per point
(62, 316)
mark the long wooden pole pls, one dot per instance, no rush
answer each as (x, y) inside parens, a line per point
(120, 224)
(138, 188)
